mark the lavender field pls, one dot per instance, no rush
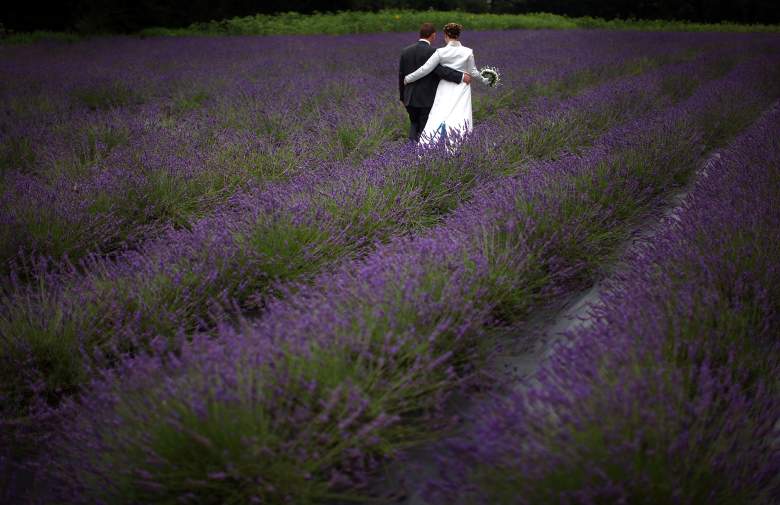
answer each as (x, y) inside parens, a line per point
(227, 278)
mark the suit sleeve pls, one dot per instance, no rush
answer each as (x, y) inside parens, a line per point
(424, 70)
(448, 74)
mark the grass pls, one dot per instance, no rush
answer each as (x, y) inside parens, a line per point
(16, 153)
(283, 250)
(103, 96)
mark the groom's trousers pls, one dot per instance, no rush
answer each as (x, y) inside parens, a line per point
(418, 117)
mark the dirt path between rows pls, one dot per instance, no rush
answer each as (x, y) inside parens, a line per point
(527, 345)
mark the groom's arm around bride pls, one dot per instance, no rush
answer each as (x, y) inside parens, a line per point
(418, 96)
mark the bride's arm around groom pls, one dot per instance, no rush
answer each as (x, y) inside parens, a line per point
(453, 55)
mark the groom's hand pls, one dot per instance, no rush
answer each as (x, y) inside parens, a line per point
(467, 78)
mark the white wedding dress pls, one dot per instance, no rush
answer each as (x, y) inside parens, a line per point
(451, 108)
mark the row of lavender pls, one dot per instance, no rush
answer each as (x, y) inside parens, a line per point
(344, 371)
(188, 280)
(671, 396)
(100, 151)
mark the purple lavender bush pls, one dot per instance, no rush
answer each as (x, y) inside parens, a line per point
(341, 372)
(186, 280)
(104, 143)
(670, 396)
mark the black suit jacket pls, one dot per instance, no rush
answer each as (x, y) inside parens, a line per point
(421, 93)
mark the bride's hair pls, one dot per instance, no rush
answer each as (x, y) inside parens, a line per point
(452, 30)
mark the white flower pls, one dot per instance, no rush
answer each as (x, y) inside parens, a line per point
(492, 75)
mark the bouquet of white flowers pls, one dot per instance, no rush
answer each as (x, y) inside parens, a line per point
(492, 75)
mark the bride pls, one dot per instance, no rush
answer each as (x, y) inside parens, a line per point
(452, 106)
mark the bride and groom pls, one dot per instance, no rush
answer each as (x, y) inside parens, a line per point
(435, 84)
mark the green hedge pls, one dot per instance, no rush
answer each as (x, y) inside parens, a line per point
(408, 21)
(38, 35)
(399, 21)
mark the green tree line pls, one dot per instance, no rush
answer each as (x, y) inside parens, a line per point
(127, 16)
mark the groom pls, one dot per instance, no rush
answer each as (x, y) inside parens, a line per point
(418, 96)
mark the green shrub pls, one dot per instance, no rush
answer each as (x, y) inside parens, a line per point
(408, 20)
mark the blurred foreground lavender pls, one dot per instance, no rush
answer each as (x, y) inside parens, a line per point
(671, 396)
(200, 181)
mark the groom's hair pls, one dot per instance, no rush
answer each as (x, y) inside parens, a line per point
(426, 30)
